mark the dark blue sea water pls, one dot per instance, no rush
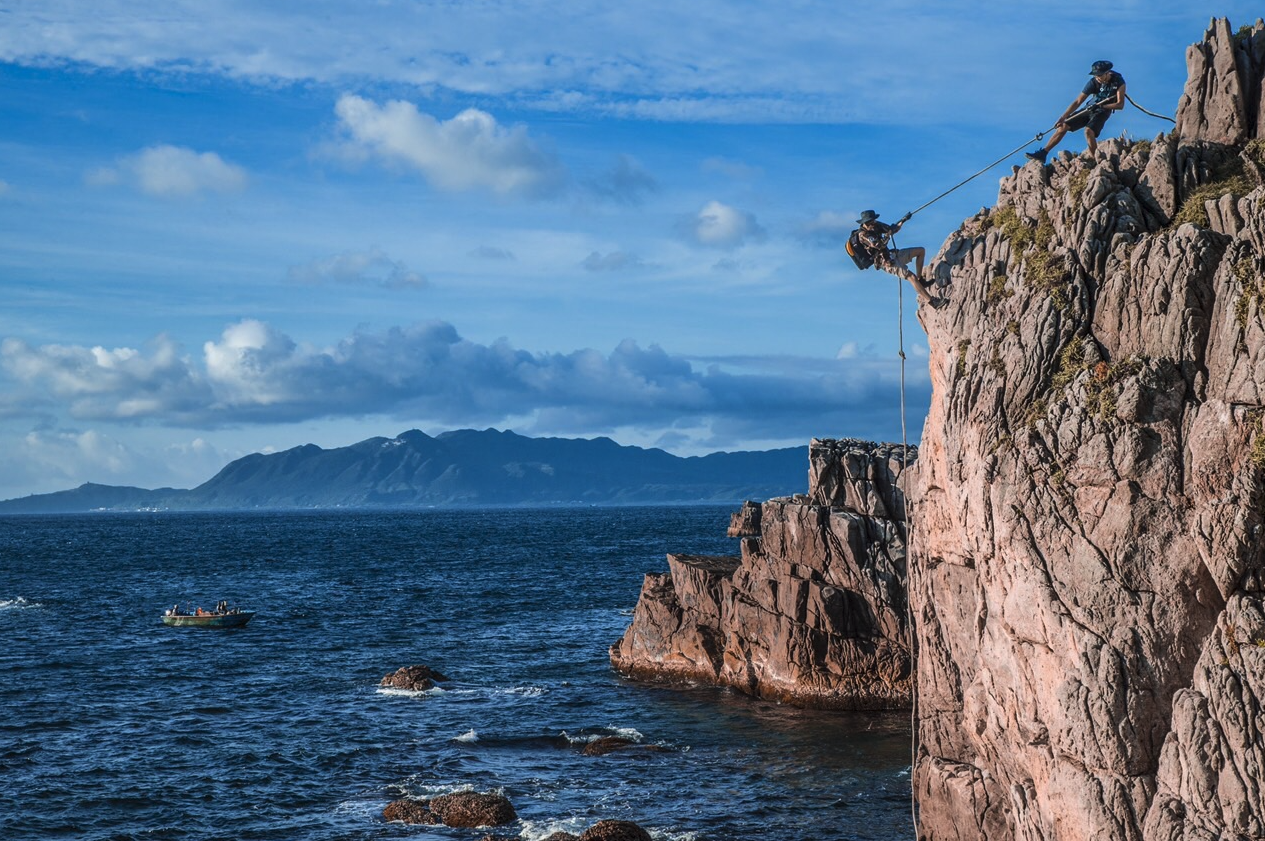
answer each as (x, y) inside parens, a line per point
(114, 726)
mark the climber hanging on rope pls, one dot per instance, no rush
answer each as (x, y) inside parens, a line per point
(868, 246)
(1107, 90)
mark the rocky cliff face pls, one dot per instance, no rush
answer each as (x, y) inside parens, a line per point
(1087, 554)
(814, 610)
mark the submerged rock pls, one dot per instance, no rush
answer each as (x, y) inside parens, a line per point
(610, 744)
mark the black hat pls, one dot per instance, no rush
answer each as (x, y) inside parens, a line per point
(867, 216)
(1100, 67)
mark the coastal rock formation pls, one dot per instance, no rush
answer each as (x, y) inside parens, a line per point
(1087, 560)
(413, 678)
(813, 612)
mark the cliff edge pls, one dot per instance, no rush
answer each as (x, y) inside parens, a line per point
(814, 610)
(1087, 568)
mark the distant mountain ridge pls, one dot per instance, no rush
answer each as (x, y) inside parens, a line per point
(460, 468)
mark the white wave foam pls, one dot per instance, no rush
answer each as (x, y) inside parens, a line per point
(18, 604)
(535, 830)
(409, 693)
(470, 736)
(630, 733)
(526, 691)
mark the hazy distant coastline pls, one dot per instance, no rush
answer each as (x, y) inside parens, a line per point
(463, 468)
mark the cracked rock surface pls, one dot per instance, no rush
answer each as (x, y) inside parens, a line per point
(1087, 551)
(812, 613)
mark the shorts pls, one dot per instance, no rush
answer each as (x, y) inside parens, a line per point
(902, 256)
(1094, 121)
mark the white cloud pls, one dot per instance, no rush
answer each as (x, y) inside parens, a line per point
(718, 225)
(255, 374)
(172, 172)
(654, 59)
(360, 268)
(467, 152)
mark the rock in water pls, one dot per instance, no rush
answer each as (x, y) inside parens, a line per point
(1087, 550)
(413, 678)
(470, 809)
(615, 831)
(409, 811)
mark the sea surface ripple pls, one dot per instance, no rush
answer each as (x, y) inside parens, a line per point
(114, 726)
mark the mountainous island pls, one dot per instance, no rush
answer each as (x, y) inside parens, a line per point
(1067, 581)
(460, 468)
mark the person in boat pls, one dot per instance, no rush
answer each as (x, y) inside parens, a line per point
(868, 246)
(1108, 92)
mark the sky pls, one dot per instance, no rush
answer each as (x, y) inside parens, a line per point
(232, 226)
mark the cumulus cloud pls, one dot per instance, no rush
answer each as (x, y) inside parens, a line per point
(358, 268)
(470, 151)
(254, 373)
(718, 225)
(627, 182)
(172, 172)
(613, 262)
(827, 229)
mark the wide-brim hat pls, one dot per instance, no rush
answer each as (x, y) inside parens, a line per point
(867, 216)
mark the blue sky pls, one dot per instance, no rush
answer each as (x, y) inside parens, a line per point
(231, 227)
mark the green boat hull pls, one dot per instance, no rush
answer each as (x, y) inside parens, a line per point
(211, 620)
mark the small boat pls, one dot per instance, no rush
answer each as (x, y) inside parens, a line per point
(222, 617)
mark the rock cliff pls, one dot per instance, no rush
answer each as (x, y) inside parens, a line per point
(813, 612)
(1086, 565)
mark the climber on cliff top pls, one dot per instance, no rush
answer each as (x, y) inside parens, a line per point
(867, 246)
(1107, 89)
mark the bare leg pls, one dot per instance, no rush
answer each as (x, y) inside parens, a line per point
(1058, 135)
(924, 297)
(1092, 140)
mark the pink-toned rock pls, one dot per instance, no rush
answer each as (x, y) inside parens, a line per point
(745, 522)
(1087, 506)
(812, 613)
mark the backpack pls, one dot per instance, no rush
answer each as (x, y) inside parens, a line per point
(858, 252)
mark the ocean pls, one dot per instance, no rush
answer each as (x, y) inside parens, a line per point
(114, 726)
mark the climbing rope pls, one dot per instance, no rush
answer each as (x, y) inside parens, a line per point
(1038, 136)
(909, 536)
(966, 181)
(1148, 113)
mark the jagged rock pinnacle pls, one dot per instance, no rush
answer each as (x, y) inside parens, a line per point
(1087, 508)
